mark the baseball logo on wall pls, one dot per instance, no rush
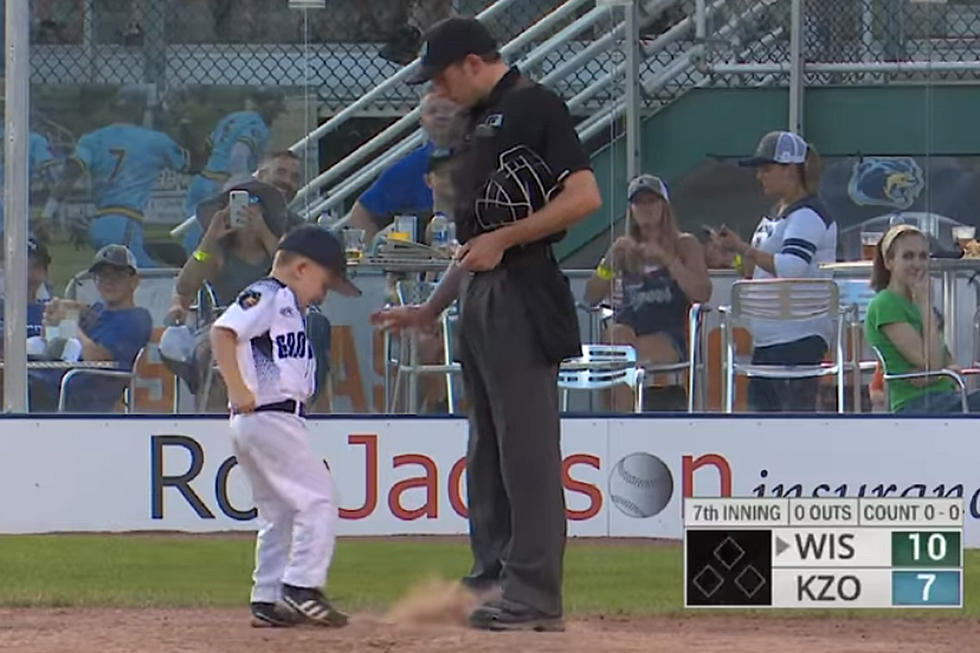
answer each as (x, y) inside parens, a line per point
(886, 181)
(640, 485)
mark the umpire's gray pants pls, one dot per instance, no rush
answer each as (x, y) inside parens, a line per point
(513, 465)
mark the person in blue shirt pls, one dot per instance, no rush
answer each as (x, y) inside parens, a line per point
(123, 162)
(401, 189)
(38, 292)
(235, 148)
(113, 329)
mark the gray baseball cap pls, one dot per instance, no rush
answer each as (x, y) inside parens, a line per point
(117, 256)
(651, 183)
(778, 147)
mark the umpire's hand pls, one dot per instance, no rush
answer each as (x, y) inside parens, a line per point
(395, 318)
(483, 252)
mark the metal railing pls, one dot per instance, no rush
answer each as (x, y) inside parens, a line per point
(561, 13)
(339, 194)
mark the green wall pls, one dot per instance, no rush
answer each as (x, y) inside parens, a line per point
(724, 123)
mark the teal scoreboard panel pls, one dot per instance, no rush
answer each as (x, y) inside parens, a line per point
(823, 553)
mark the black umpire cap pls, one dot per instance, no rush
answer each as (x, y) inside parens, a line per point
(450, 41)
(322, 247)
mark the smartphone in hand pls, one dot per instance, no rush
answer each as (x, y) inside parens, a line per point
(238, 201)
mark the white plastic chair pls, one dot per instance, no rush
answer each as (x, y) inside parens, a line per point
(601, 367)
(407, 364)
(945, 372)
(785, 300)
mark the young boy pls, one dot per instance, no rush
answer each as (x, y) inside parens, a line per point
(261, 346)
(112, 329)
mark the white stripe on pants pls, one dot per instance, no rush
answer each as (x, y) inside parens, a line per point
(293, 492)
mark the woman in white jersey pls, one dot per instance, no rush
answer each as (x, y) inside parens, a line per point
(792, 243)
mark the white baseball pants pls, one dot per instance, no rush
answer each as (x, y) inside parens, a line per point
(293, 492)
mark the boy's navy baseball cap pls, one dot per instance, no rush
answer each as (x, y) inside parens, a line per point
(450, 41)
(322, 247)
(778, 147)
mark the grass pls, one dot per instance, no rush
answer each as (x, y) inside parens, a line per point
(140, 570)
(367, 574)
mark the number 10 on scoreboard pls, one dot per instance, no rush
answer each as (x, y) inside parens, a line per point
(934, 550)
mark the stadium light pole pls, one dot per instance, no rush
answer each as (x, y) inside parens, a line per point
(796, 68)
(634, 158)
(631, 53)
(16, 203)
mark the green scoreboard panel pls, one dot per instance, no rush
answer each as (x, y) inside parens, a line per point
(823, 553)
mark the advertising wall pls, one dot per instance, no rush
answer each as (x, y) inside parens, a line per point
(623, 477)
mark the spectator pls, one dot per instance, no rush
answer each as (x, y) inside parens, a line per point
(402, 188)
(715, 254)
(282, 169)
(439, 180)
(230, 258)
(234, 149)
(123, 162)
(38, 292)
(906, 329)
(660, 271)
(790, 245)
(113, 329)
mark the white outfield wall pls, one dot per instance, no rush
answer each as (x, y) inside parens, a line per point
(623, 477)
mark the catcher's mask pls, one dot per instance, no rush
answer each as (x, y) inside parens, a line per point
(522, 184)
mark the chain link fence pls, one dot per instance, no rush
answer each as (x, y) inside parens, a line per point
(843, 41)
(341, 52)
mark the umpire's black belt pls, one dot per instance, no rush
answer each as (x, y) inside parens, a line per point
(286, 406)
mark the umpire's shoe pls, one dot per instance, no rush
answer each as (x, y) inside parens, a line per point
(272, 615)
(501, 615)
(310, 603)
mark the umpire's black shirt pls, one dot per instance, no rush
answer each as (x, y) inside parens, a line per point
(521, 122)
(518, 113)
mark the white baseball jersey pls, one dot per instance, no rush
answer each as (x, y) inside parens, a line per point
(799, 241)
(274, 354)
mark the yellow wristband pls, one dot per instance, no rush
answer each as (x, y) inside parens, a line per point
(738, 263)
(201, 255)
(604, 271)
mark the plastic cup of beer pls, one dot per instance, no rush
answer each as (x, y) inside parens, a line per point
(354, 244)
(869, 242)
(964, 234)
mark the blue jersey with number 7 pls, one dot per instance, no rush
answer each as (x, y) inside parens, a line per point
(124, 162)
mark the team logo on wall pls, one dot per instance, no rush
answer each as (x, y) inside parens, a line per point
(885, 181)
(640, 485)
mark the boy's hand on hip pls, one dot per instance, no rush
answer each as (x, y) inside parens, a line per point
(241, 399)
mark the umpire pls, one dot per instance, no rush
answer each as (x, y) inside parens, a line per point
(521, 178)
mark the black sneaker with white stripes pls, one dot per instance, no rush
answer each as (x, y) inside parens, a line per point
(272, 615)
(313, 606)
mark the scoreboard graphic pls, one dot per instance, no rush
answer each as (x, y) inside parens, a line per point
(823, 553)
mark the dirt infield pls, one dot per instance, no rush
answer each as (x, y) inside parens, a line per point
(220, 631)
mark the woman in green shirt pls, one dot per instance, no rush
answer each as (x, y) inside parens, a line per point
(905, 328)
